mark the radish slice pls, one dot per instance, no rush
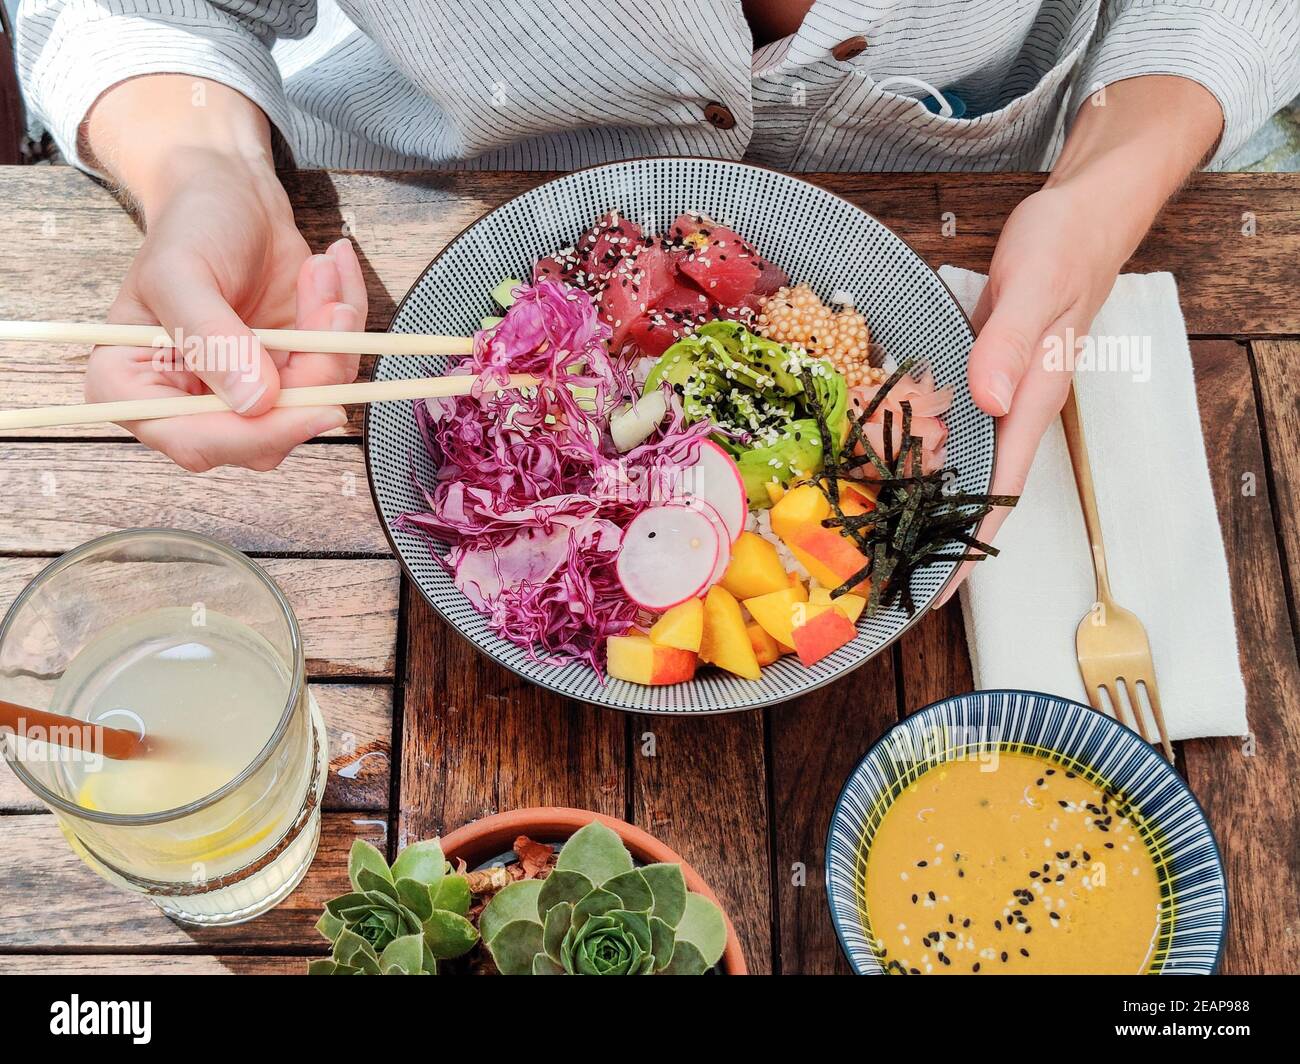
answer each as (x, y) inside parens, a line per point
(715, 479)
(668, 555)
(720, 528)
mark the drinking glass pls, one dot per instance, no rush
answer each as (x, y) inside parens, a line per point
(177, 635)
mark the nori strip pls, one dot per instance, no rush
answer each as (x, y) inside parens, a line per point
(914, 522)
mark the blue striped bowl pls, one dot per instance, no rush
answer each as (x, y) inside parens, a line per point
(1190, 938)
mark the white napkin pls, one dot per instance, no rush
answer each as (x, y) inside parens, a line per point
(1159, 520)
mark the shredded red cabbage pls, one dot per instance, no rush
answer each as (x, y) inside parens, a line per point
(530, 493)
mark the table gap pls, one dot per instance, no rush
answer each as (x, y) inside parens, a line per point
(1274, 495)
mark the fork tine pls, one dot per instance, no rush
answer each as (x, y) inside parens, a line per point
(1134, 708)
(1118, 706)
(1104, 705)
(1153, 696)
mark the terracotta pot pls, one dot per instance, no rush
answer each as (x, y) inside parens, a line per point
(494, 835)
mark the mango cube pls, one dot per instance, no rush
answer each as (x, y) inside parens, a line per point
(799, 507)
(635, 659)
(824, 632)
(755, 567)
(849, 605)
(766, 649)
(778, 612)
(681, 627)
(725, 642)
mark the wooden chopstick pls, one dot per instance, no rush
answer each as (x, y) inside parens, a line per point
(323, 395)
(68, 731)
(307, 340)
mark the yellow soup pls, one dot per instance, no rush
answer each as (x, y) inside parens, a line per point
(1011, 866)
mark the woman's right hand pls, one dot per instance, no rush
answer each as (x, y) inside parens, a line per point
(222, 255)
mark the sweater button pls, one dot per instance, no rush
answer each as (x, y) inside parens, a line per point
(719, 116)
(849, 49)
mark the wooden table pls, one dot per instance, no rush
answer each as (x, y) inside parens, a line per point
(427, 734)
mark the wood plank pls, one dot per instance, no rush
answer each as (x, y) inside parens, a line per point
(55, 903)
(816, 742)
(700, 786)
(477, 739)
(318, 501)
(346, 608)
(12, 119)
(1275, 364)
(1230, 283)
(150, 964)
(359, 721)
(934, 658)
(1247, 787)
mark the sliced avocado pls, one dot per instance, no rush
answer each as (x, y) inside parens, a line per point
(747, 384)
(501, 294)
(797, 452)
(490, 323)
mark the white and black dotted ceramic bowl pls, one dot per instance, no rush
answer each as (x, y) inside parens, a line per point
(1171, 823)
(817, 237)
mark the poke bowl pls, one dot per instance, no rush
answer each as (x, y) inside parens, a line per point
(1013, 832)
(743, 378)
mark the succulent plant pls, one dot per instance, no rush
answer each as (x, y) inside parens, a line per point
(599, 914)
(396, 921)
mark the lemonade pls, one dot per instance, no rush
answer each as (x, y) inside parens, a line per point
(209, 697)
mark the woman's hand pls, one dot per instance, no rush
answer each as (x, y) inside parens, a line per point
(221, 256)
(1060, 252)
(1049, 276)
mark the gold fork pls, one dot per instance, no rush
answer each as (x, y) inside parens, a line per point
(1112, 646)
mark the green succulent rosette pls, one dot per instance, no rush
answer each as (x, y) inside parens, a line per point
(598, 914)
(396, 921)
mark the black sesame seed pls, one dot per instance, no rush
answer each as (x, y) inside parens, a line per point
(1024, 952)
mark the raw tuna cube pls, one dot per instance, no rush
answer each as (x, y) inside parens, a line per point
(721, 264)
(607, 242)
(654, 334)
